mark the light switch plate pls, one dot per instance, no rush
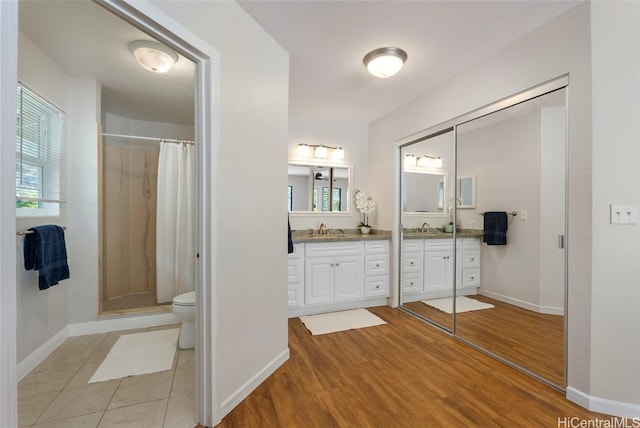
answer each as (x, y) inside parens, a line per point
(624, 214)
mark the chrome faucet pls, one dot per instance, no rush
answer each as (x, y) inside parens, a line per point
(423, 225)
(322, 230)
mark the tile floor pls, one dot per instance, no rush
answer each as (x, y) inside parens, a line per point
(57, 394)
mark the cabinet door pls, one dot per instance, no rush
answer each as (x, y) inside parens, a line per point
(318, 284)
(349, 278)
(438, 270)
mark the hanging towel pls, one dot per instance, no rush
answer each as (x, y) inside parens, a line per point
(45, 251)
(290, 245)
(495, 228)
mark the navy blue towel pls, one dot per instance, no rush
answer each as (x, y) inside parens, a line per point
(290, 244)
(495, 228)
(45, 250)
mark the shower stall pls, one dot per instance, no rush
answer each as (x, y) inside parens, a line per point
(129, 238)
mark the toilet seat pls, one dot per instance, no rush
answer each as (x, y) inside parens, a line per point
(186, 299)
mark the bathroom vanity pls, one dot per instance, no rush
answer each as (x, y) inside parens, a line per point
(338, 271)
(427, 264)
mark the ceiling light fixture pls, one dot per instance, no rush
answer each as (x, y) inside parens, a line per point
(385, 62)
(153, 56)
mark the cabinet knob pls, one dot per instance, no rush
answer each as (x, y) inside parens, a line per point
(332, 264)
(337, 264)
(377, 264)
(411, 263)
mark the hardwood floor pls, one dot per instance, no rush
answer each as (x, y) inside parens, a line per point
(402, 374)
(532, 340)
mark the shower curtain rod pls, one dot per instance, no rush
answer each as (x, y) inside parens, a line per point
(159, 140)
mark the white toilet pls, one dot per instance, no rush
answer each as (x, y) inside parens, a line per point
(184, 308)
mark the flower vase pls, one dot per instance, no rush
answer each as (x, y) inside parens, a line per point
(365, 229)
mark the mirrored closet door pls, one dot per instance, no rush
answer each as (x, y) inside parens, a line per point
(498, 245)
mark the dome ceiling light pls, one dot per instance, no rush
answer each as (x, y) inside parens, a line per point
(385, 62)
(153, 56)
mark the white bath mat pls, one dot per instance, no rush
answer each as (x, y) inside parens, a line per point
(340, 321)
(463, 304)
(139, 353)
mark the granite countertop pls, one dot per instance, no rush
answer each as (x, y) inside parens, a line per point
(433, 233)
(336, 235)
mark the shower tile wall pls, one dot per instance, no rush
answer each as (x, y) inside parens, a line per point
(129, 192)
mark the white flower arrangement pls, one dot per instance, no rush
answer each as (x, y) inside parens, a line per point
(365, 205)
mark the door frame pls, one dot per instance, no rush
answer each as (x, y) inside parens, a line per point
(143, 15)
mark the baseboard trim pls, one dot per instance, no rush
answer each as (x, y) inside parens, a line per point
(29, 363)
(122, 323)
(243, 392)
(550, 310)
(603, 405)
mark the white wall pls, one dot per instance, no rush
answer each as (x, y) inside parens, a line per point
(41, 314)
(250, 179)
(353, 137)
(114, 124)
(615, 297)
(562, 46)
(82, 233)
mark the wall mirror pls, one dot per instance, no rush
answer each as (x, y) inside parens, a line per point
(508, 299)
(426, 258)
(466, 191)
(424, 192)
(318, 188)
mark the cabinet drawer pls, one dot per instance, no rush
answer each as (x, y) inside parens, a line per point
(470, 243)
(377, 286)
(376, 265)
(471, 259)
(412, 262)
(470, 277)
(376, 247)
(295, 270)
(411, 283)
(438, 244)
(332, 249)
(412, 245)
(295, 296)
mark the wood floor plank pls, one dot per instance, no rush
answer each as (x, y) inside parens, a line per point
(401, 374)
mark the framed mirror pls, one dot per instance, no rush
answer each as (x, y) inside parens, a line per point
(315, 188)
(466, 191)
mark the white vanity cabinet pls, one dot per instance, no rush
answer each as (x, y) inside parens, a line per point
(338, 275)
(438, 265)
(427, 268)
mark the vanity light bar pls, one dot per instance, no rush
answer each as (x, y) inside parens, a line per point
(424, 161)
(320, 151)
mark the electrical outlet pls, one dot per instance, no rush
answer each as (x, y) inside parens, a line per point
(524, 214)
(624, 214)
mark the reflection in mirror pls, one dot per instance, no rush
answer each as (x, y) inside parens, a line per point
(510, 298)
(518, 153)
(466, 192)
(426, 253)
(317, 188)
(423, 192)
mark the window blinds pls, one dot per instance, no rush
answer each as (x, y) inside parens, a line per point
(39, 148)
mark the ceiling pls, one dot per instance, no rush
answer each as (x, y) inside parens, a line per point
(88, 41)
(326, 41)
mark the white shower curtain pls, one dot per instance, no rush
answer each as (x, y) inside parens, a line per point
(175, 246)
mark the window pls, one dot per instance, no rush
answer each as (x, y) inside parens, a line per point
(290, 198)
(39, 147)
